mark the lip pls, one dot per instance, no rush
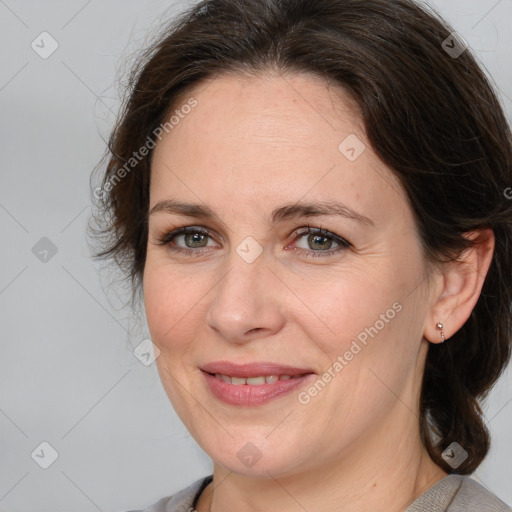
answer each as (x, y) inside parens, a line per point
(253, 395)
(253, 369)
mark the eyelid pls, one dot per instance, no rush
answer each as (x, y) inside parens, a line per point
(298, 233)
(167, 236)
(323, 232)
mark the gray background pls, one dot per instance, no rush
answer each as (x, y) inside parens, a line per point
(68, 375)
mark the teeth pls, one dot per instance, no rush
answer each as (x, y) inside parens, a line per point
(254, 381)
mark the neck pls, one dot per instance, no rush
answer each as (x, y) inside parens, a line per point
(376, 474)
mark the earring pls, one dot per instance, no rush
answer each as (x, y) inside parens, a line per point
(440, 327)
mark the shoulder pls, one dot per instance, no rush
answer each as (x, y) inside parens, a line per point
(458, 493)
(181, 501)
(474, 497)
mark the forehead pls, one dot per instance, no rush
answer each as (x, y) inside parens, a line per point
(257, 109)
(269, 136)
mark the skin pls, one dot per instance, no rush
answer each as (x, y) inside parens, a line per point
(250, 145)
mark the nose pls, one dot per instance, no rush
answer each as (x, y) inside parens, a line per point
(247, 301)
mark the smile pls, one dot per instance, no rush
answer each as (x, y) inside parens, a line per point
(253, 391)
(254, 381)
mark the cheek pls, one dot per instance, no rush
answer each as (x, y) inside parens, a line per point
(342, 304)
(172, 309)
(171, 303)
(367, 316)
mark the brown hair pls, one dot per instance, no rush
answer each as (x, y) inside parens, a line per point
(429, 115)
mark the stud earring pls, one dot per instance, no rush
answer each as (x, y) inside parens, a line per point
(440, 327)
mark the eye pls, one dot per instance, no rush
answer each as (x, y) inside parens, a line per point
(319, 242)
(191, 240)
(193, 237)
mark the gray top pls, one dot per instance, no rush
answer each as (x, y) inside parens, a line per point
(453, 493)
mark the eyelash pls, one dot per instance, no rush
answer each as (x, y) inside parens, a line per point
(167, 238)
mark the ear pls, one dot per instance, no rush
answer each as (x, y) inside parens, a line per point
(458, 287)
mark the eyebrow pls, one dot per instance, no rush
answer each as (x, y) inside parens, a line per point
(287, 211)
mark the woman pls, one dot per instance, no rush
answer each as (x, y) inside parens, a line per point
(312, 197)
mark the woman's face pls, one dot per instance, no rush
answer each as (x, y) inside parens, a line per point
(342, 312)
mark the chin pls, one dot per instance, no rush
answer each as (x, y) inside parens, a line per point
(258, 458)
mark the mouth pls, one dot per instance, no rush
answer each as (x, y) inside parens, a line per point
(253, 370)
(253, 384)
(254, 381)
